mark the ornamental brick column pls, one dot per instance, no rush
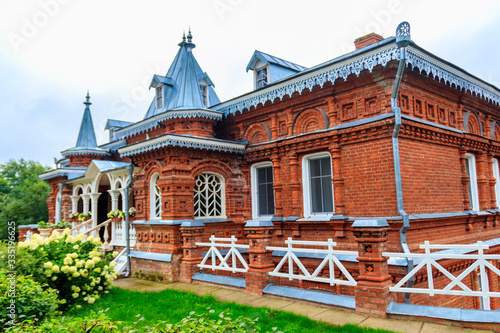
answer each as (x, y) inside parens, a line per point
(192, 254)
(337, 178)
(372, 292)
(483, 181)
(491, 177)
(260, 259)
(465, 179)
(277, 186)
(295, 184)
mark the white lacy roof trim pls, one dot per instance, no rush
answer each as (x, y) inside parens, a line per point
(452, 76)
(150, 123)
(343, 68)
(178, 141)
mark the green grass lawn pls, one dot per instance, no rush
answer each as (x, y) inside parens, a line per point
(172, 305)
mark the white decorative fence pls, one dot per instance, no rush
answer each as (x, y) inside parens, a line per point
(429, 261)
(330, 259)
(118, 234)
(216, 261)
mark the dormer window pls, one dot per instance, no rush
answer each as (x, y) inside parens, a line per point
(159, 97)
(204, 94)
(261, 77)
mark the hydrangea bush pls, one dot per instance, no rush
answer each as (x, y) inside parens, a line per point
(73, 265)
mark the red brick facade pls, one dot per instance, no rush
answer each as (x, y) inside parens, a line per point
(352, 122)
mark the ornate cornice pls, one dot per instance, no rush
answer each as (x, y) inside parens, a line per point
(174, 140)
(150, 123)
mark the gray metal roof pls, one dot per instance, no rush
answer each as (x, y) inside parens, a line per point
(267, 58)
(182, 83)
(105, 166)
(117, 124)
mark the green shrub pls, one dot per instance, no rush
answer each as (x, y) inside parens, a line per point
(26, 263)
(25, 299)
(207, 323)
(73, 266)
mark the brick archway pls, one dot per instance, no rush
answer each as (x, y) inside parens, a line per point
(310, 120)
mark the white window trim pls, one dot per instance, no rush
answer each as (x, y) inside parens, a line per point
(255, 76)
(159, 88)
(152, 183)
(207, 102)
(306, 185)
(496, 174)
(474, 201)
(223, 197)
(255, 197)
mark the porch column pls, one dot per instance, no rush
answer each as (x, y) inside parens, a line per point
(372, 292)
(260, 259)
(124, 198)
(86, 200)
(59, 203)
(114, 198)
(74, 203)
(94, 204)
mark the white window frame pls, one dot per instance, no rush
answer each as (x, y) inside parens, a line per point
(159, 92)
(255, 190)
(153, 183)
(256, 76)
(474, 201)
(306, 185)
(204, 100)
(496, 174)
(223, 197)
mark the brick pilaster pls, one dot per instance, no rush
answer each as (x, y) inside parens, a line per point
(372, 292)
(260, 259)
(465, 179)
(492, 182)
(483, 181)
(192, 254)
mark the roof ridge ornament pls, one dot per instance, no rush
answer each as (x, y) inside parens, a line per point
(403, 34)
(189, 36)
(87, 102)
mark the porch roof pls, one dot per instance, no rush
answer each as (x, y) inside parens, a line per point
(70, 172)
(98, 166)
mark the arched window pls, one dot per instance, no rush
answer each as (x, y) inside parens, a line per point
(209, 196)
(470, 167)
(155, 198)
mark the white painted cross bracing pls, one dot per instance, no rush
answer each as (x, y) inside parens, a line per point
(329, 259)
(429, 260)
(215, 255)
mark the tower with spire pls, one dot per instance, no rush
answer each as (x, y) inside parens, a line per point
(86, 147)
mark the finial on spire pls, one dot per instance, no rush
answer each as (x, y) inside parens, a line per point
(189, 36)
(87, 102)
(184, 36)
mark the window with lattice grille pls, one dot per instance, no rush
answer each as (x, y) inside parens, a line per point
(155, 196)
(209, 196)
(159, 97)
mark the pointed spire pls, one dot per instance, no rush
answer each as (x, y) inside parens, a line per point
(86, 136)
(184, 36)
(189, 36)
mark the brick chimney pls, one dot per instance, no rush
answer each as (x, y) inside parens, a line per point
(366, 40)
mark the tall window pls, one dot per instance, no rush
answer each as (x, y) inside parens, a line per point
(496, 174)
(470, 167)
(317, 184)
(262, 189)
(261, 77)
(155, 198)
(209, 196)
(159, 97)
(204, 94)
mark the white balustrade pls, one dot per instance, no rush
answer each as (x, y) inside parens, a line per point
(220, 262)
(429, 260)
(330, 259)
(118, 232)
(121, 262)
(81, 228)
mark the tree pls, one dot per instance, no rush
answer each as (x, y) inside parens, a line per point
(22, 194)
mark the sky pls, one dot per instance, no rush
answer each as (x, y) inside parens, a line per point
(53, 51)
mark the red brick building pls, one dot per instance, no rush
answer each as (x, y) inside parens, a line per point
(390, 137)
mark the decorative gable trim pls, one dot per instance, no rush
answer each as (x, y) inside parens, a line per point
(182, 141)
